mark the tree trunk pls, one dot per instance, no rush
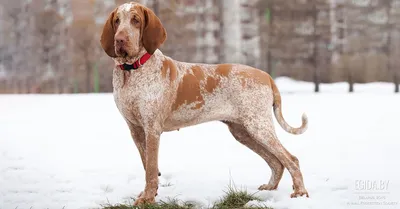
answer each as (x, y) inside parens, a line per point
(316, 82)
(88, 72)
(202, 52)
(156, 7)
(389, 52)
(270, 32)
(269, 60)
(232, 31)
(221, 44)
(315, 55)
(351, 83)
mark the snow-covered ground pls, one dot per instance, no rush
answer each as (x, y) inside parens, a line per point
(75, 151)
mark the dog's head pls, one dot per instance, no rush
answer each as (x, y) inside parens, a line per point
(130, 28)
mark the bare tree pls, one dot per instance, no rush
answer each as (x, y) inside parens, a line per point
(250, 22)
(395, 39)
(18, 47)
(316, 77)
(46, 22)
(389, 45)
(10, 13)
(397, 64)
(270, 30)
(220, 37)
(83, 47)
(232, 31)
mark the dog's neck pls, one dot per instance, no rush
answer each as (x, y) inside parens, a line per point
(129, 60)
(139, 55)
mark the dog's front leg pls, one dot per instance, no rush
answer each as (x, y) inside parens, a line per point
(152, 147)
(139, 138)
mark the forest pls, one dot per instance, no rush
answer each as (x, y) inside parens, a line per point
(52, 46)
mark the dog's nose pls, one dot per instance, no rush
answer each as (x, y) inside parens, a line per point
(120, 39)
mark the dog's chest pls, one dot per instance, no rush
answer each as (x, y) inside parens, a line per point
(137, 95)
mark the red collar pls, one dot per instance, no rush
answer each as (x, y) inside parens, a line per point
(136, 64)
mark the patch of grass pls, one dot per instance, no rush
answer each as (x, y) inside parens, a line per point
(233, 199)
(236, 199)
(170, 204)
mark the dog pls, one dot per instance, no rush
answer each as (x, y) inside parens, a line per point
(155, 93)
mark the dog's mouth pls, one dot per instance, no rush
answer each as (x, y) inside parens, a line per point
(121, 52)
(123, 58)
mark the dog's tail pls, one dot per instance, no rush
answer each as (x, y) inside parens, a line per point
(278, 113)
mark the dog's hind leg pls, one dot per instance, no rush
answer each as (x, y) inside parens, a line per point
(240, 133)
(260, 128)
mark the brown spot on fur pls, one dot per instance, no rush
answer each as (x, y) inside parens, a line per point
(172, 71)
(165, 68)
(189, 92)
(223, 69)
(212, 83)
(198, 72)
(258, 76)
(169, 65)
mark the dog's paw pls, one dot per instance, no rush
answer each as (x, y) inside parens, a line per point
(267, 187)
(299, 193)
(144, 200)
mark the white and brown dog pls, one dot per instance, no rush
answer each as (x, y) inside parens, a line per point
(156, 94)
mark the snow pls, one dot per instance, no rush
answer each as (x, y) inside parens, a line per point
(75, 151)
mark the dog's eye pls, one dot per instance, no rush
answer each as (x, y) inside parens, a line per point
(135, 21)
(117, 21)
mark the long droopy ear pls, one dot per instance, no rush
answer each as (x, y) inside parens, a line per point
(154, 33)
(107, 37)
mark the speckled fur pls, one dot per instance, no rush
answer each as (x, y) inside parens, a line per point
(240, 96)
